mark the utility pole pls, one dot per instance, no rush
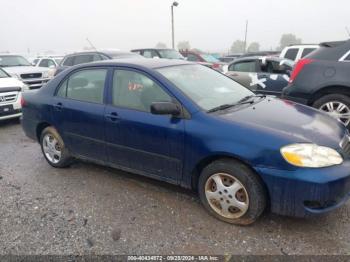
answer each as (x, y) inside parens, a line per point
(172, 24)
(87, 39)
(245, 36)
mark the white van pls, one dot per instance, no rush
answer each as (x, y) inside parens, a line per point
(296, 52)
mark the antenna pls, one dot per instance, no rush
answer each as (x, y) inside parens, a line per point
(87, 39)
(347, 30)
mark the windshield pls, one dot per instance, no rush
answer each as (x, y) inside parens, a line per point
(170, 54)
(3, 74)
(210, 58)
(206, 87)
(58, 60)
(13, 60)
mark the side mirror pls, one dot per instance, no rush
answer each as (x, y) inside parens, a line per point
(165, 108)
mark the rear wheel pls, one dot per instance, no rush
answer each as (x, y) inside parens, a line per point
(53, 148)
(230, 191)
(336, 105)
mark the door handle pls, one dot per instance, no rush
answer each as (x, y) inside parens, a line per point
(112, 116)
(58, 106)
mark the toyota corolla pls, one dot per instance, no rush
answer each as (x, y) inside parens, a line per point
(191, 126)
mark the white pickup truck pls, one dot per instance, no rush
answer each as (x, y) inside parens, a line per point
(10, 96)
(19, 67)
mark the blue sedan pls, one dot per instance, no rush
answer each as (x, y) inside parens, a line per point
(189, 125)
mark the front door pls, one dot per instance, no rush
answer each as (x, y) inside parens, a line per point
(136, 139)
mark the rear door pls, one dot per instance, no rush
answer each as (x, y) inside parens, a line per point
(136, 139)
(78, 112)
(245, 73)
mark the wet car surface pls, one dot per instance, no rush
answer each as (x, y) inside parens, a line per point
(88, 209)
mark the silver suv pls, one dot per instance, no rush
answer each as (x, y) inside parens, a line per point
(19, 67)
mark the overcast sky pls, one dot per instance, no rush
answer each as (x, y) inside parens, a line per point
(210, 25)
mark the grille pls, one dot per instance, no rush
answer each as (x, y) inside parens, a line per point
(32, 75)
(7, 98)
(345, 145)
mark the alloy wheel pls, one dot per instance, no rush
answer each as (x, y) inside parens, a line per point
(226, 195)
(52, 149)
(337, 110)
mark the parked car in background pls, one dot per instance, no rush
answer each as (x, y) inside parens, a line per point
(229, 58)
(48, 61)
(261, 53)
(159, 53)
(204, 59)
(322, 80)
(296, 52)
(92, 56)
(189, 125)
(10, 96)
(19, 67)
(265, 75)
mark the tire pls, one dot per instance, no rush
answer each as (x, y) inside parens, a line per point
(51, 149)
(337, 100)
(246, 188)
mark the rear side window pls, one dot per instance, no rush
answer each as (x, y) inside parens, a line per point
(307, 51)
(248, 66)
(82, 59)
(85, 85)
(347, 58)
(68, 61)
(291, 53)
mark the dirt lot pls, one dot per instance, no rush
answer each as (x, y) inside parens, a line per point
(89, 209)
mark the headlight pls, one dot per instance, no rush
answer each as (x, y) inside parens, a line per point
(45, 74)
(16, 76)
(310, 155)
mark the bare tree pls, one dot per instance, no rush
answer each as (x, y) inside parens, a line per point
(161, 45)
(254, 47)
(289, 39)
(237, 46)
(184, 45)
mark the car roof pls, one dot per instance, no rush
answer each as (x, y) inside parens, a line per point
(140, 62)
(106, 52)
(271, 58)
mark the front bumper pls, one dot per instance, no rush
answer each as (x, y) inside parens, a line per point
(306, 191)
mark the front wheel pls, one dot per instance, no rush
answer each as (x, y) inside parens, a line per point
(231, 192)
(53, 148)
(336, 105)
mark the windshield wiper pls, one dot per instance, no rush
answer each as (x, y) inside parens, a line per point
(220, 107)
(249, 99)
(245, 100)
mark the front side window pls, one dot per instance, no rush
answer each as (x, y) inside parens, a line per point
(192, 58)
(248, 66)
(149, 53)
(84, 85)
(204, 86)
(291, 53)
(134, 90)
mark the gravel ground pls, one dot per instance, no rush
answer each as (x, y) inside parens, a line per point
(89, 209)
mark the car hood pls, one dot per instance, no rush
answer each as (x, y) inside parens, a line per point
(24, 69)
(293, 122)
(10, 82)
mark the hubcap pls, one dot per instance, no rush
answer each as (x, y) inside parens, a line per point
(337, 110)
(226, 195)
(52, 149)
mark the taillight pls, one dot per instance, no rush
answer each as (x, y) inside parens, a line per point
(23, 102)
(298, 67)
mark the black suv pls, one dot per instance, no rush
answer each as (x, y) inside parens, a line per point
(92, 56)
(322, 80)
